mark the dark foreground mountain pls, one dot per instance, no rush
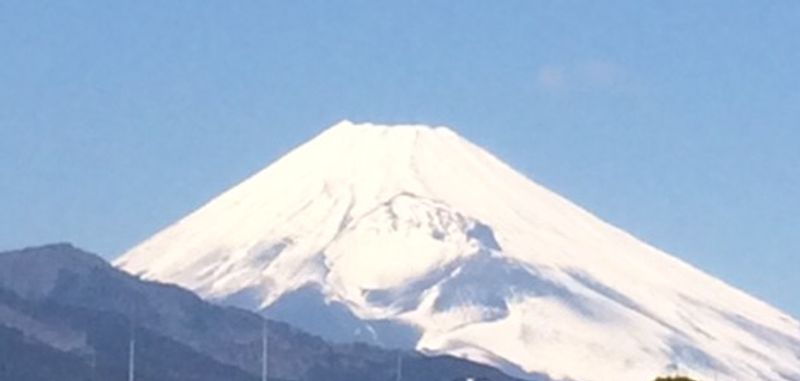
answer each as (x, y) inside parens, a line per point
(66, 314)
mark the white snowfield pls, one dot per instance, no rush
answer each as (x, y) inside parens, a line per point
(423, 239)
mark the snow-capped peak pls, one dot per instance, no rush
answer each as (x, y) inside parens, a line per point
(412, 236)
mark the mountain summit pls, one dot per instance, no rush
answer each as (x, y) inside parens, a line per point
(411, 236)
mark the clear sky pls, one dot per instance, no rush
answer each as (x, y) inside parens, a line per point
(678, 121)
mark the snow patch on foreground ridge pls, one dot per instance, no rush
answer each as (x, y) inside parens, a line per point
(412, 236)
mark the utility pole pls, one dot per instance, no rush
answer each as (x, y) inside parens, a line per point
(132, 354)
(264, 350)
(399, 366)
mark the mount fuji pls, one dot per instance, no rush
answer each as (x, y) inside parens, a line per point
(413, 237)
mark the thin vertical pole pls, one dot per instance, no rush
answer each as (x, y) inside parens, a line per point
(264, 350)
(132, 355)
(399, 366)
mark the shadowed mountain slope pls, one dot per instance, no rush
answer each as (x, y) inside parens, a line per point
(71, 313)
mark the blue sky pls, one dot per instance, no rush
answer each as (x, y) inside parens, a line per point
(678, 121)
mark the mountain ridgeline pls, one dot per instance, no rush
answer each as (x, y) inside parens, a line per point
(373, 248)
(67, 314)
(413, 237)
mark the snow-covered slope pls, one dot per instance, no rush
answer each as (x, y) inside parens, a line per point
(413, 236)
